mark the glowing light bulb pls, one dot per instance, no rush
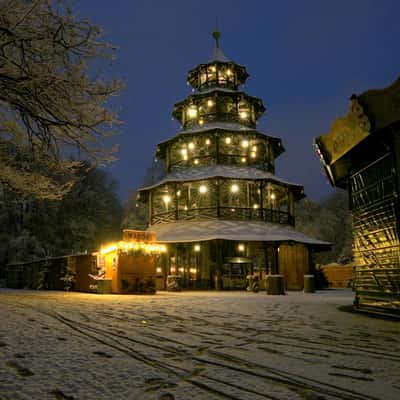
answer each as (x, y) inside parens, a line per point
(245, 143)
(229, 72)
(184, 152)
(255, 206)
(159, 270)
(185, 208)
(178, 193)
(185, 157)
(254, 148)
(243, 114)
(166, 199)
(192, 112)
(243, 160)
(197, 247)
(273, 196)
(228, 140)
(203, 189)
(201, 121)
(196, 161)
(234, 188)
(213, 68)
(208, 142)
(191, 146)
(210, 103)
(241, 247)
(253, 154)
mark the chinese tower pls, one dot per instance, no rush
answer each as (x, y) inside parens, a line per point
(220, 208)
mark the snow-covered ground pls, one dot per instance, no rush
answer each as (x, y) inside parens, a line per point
(194, 345)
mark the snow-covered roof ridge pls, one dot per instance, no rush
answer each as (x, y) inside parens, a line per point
(191, 231)
(220, 171)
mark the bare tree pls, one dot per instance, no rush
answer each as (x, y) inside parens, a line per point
(52, 104)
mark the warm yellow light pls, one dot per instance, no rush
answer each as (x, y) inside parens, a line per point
(273, 196)
(166, 199)
(213, 68)
(243, 159)
(173, 269)
(193, 270)
(255, 206)
(210, 103)
(203, 189)
(135, 246)
(254, 148)
(197, 247)
(234, 188)
(178, 193)
(228, 140)
(241, 247)
(208, 142)
(201, 122)
(243, 114)
(192, 112)
(185, 157)
(159, 270)
(245, 143)
(181, 270)
(184, 151)
(191, 146)
(108, 249)
(229, 72)
(253, 154)
(185, 208)
(196, 161)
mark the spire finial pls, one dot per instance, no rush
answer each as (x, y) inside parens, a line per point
(216, 34)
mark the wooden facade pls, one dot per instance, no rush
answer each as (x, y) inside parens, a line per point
(362, 154)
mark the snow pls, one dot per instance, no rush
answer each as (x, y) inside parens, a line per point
(220, 171)
(218, 55)
(194, 345)
(190, 231)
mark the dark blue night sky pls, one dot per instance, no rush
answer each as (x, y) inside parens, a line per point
(305, 59)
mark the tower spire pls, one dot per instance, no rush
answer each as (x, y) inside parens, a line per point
(217, 54)
(216, 34)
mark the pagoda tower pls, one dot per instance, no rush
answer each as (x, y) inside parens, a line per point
(220, 208)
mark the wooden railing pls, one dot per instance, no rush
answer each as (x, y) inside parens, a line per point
(229, 213)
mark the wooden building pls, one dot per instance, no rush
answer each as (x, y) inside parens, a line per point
(220, 207)
(361, 153)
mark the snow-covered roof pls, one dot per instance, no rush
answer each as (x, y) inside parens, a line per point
(231, 126)
(217, 89)
(220, 171)
(197, 231)
(218, 55)
(223, 126)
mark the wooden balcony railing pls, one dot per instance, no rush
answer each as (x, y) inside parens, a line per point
(229, 213)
